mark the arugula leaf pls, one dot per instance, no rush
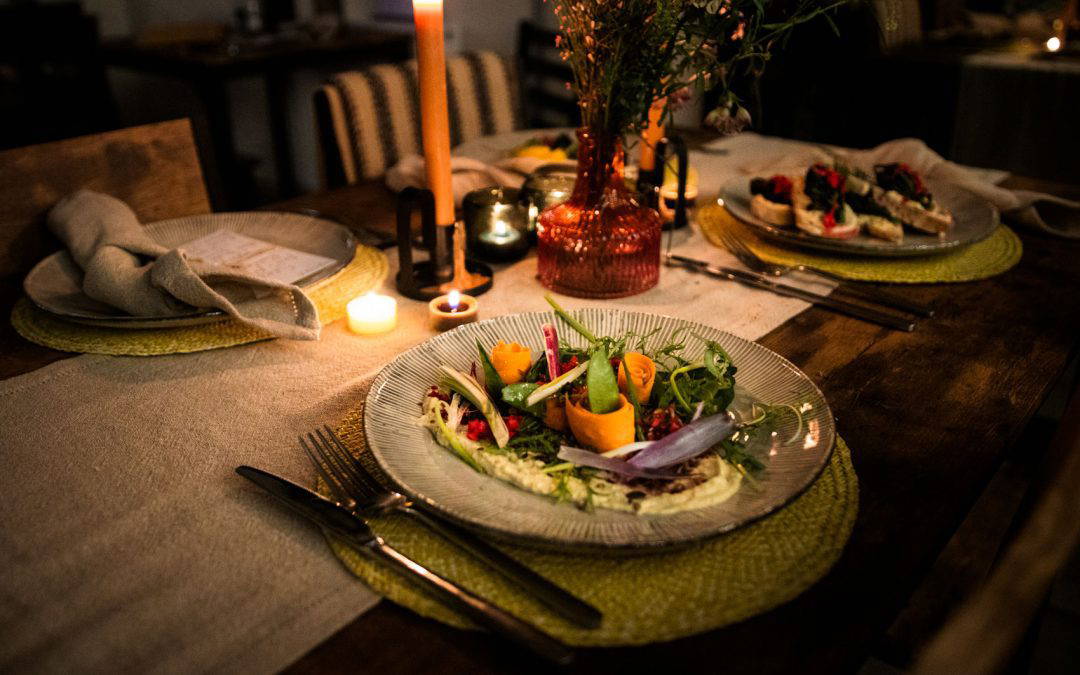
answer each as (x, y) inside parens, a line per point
(492, 380)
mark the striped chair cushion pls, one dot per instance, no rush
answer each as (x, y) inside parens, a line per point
(375, 112)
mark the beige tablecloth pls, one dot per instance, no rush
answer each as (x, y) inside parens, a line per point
(128, 543)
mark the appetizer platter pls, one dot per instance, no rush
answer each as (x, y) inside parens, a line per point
(653, 431)
(890, 211)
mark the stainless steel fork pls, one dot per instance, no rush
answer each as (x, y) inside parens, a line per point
(361, 493)
(747, 257)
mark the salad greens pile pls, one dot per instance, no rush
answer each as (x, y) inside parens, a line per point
(480, 410)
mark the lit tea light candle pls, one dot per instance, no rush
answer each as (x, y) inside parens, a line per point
(1053, 44)
(500, 234)
(372, 313)
(452, 310)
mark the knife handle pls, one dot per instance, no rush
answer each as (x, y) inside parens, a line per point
(481, 611)
(554, 597)
(872, 293)
(845, 307)
(837, 304)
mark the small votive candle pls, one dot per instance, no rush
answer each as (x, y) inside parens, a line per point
(372, 313)
(452, 310)
(496, 224)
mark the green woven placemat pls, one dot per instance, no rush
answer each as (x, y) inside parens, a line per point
(645, 598)
(989, 257)
(366, 271)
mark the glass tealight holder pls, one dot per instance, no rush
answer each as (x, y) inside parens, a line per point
(496, 224)
(549, 186)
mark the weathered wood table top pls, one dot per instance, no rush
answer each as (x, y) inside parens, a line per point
(931, 417)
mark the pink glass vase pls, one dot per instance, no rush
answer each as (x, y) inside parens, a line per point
(600, 243)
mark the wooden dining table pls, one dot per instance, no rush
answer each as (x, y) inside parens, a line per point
(945, 442)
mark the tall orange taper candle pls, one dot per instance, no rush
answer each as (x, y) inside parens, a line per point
(653, 134)
(434, 119)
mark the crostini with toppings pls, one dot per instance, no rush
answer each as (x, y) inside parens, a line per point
(771, 200)
(820, 209)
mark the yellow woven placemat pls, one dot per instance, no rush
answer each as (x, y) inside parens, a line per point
(644, 598)
(989, 257)
(367, 270)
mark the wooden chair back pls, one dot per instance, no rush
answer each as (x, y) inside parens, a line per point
(153, 168)
(544, 76)
(367, 120)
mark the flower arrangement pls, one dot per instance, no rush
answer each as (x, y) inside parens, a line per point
(626, 54)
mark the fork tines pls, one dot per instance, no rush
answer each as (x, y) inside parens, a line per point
(337, 466)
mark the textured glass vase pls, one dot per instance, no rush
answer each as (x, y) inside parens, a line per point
(602, 242)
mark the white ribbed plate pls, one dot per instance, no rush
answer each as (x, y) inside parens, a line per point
(426, 471)
(55, 283)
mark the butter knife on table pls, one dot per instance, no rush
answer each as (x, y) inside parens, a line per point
(359, 536)
(765, 283)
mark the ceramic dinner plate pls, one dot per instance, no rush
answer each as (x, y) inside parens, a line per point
(55, 283)
(794, 455)
(974, 219)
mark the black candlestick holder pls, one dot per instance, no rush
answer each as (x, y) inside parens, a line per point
(425, 279)
(678, 145)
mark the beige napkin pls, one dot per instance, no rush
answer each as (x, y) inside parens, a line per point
(467, 174)
(123, 267)
(1041, 211)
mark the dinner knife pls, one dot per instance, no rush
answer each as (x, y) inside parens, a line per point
(758, 281)
(355, 532)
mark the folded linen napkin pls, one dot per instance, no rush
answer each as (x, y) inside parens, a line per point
(467, 174)
(1041, 211)
(123, 267)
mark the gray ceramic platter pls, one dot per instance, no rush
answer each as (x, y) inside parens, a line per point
(794, 454)
(55, 283)
(974, 219)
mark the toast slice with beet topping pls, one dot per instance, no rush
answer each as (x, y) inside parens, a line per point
(820, 209)
(901, 191)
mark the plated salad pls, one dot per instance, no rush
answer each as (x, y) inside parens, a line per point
(611, 425)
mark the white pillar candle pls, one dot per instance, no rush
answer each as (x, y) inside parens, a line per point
(372, 313)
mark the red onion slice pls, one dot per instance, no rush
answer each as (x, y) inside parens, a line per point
(686, 443)
(623, 468)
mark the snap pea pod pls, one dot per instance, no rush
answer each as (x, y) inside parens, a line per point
(603, 385)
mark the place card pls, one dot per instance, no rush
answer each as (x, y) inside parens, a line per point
(255, 257)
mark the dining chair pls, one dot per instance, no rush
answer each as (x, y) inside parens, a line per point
(367, 120)
(154, 168)
(544, 75)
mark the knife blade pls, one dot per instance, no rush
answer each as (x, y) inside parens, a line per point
(765, 283)
(355, 532)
